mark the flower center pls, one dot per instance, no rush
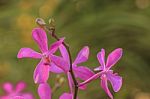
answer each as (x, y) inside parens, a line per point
(46, 59)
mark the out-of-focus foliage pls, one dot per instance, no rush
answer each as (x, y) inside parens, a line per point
(97, 23)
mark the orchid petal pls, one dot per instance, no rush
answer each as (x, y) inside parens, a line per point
(64, 53)
(4, 97)
(44, 91)
(19, 97)
(40, 37)
(83, 72)
(28, 96)
(101, 58)
(60, 62)
(8, 87)
(113, 57)
(115, 80)
(41, 73)
(66, 96)
(55, 69)
(28, 53)
(98, 68)
(53, 48)
(104, 85)
(70, 82)
(82, 55)
(20, 86)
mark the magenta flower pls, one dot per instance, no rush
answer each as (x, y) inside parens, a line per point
(44, 91)
(105, 73)
(13, 93)
(46, 64)
(81, 72)
(114, 79)
(66, 96)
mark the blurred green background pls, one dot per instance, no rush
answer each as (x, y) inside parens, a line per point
(99, 24)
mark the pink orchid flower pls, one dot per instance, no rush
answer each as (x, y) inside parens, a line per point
(81, 72)
(44, 91)
(115, 80)
(46, 64)
(13, 93)
(105, 73)
(66, 96)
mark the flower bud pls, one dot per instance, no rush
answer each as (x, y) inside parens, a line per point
(51, 22)
(61, 80)
(40, 21)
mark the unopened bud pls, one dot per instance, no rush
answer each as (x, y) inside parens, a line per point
(51, 22)
(40, 21)
(61, 80)
(58, 76)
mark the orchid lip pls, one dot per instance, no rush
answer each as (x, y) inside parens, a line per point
(47, 61)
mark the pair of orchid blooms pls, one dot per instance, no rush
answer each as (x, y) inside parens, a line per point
(49, 62)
